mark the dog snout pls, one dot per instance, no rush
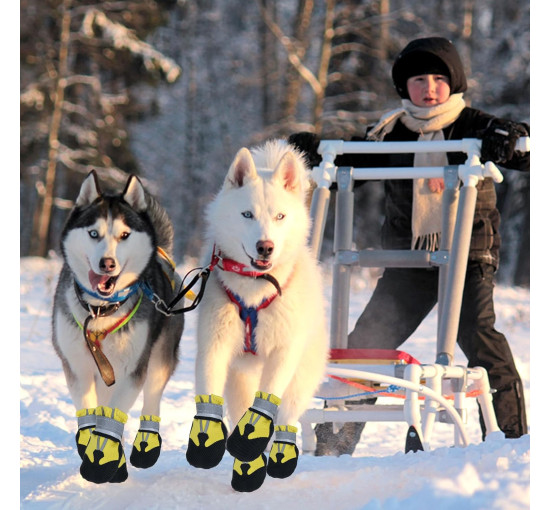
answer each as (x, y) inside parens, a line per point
(265, 248)
(107, 264)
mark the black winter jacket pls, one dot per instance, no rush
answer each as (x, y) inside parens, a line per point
(396, 230)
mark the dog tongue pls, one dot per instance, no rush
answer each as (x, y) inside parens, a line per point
(97, 279)
(262, 263)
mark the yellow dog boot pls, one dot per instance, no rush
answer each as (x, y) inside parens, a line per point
(122, 472)
(86, 425)
(208, 433)
(254, 430)
(248, 476)
(146, 448)
(104, 455)
(283, 457)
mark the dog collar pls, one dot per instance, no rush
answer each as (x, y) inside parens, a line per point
(233, 266)
(118, 297)
(96, 336)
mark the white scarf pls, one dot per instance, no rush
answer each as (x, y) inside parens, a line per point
(429, 123)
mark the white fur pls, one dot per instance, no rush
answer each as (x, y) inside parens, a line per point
(130, 255)
(271, 183)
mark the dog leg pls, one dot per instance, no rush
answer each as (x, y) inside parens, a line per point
(104, 459)
(238, 396)
(148, 441)
(83, 395)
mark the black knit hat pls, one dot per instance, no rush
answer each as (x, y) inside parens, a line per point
(430, 55)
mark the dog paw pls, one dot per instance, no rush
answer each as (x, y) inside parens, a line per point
(283, 457)
(254, 430)
(208, 434)
(248, 476)
(147, 444)
(104, 455)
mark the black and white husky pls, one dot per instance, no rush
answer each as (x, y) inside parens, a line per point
(111, 339)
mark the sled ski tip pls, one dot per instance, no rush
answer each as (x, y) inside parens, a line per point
(413, 443)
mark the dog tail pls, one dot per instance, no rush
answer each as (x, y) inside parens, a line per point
(162, 224)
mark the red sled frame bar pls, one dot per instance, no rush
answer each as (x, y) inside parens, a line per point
(416, 379)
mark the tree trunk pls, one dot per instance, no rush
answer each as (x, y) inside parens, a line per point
(324, 61)
(39, 240)
(294, 80)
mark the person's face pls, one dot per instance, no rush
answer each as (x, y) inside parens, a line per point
(427, 90)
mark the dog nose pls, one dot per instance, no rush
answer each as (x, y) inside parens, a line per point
(265, 248)
(107, 264)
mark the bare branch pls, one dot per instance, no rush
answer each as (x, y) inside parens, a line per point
(123, 38)
(291, 51)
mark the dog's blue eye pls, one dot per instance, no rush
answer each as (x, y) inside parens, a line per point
(280, 216)
(247, 214)
(93, 234)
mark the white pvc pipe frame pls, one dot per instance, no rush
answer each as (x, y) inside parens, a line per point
(469, 173)
(410, 411)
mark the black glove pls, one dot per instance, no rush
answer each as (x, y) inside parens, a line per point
(499, 140)
(308, 144)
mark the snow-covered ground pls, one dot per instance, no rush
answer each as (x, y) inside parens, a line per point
(484, 475)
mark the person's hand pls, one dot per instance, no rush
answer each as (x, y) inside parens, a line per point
(436, 185)
(308, 144)
(499, 140)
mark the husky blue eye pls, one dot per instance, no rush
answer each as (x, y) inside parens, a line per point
(93, 234)
(280, 216)
(247, 214)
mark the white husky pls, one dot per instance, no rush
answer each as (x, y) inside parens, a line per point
(262, 336)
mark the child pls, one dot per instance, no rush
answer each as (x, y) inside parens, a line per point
(429, 77)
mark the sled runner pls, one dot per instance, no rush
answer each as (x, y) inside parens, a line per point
(429, 393)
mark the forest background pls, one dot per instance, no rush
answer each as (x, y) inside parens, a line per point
(170, 90)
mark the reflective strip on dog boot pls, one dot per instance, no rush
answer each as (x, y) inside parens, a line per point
(208, 433)
(248, 476)
(283, 457)
(147, 444)
(254, 430)
(104, 454)
(86, 424)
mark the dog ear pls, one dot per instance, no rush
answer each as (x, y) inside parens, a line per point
(89, 190)
(134, 194)
(288, 172)
(242, 168)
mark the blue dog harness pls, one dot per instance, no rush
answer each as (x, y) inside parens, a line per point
(249, 315)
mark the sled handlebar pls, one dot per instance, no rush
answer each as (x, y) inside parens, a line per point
(466, 145)
(325, 173)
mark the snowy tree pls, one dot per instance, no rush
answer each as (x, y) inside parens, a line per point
(75, 77)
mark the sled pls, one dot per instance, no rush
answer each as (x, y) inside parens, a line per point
(429, 393)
